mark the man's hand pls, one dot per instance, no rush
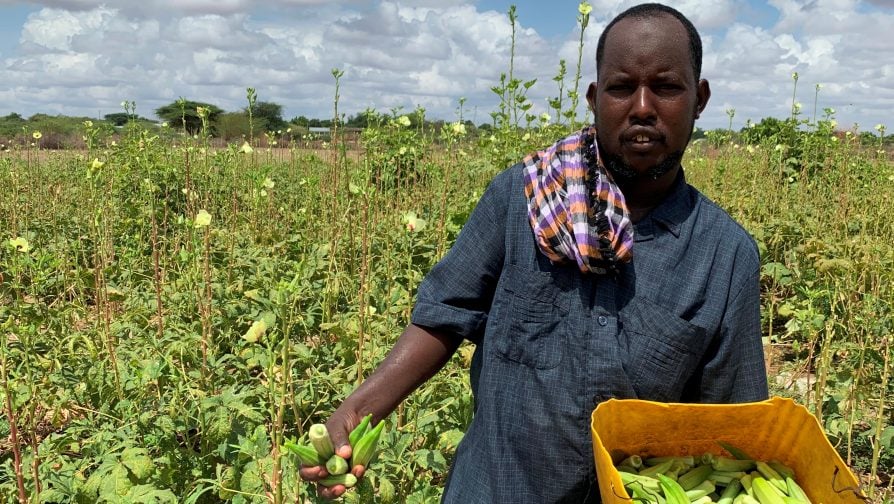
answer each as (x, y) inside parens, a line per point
(339, 426)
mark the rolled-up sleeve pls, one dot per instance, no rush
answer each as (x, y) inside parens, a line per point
(456, 295)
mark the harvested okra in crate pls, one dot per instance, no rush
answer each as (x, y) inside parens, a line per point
(777, 439)
(709, 479)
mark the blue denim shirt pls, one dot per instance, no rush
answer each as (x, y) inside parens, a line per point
(680, 323)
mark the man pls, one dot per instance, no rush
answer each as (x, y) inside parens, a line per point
(591, 270)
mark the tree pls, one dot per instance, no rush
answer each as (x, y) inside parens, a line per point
(300, 121)
(118, 118)
(184, 113)
(11, 124)
(267, 116)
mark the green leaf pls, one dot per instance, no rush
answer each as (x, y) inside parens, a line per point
(778, 272)
(450, 439)
(94, 482)
(887, 437)
(255, 295)
(269, 318)
(51, 496)
(149, 494)
(116, 484)
(139, 463)
(431, 459)
(254, 474)
(386, 490)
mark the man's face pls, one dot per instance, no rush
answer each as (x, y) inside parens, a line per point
(646, 99)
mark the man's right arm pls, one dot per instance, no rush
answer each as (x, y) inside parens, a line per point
(452, 305)
(418, 354)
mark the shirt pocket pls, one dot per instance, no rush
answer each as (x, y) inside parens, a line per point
(663, 350)
(532, 326)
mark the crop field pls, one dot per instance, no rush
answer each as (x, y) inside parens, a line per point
(132, 271)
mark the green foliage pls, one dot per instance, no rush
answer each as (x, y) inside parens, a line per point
(395, 149)
(184, 114)
(233, 126)
(11, 125)
(811, 197)
(268, 116)
(122, 118)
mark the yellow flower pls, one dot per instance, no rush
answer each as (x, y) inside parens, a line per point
(268, 183)
(37, 135)
(203, 219)
(414, 223)
(458, 128)
(96, 164)
(246, 149)
(20, 244)
(255, 332)
(403, 121)
(584, 8)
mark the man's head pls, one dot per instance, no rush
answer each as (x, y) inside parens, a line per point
(648, 91)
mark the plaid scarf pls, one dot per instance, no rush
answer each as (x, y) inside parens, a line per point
(577, 212)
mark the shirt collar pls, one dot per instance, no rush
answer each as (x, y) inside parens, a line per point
(673, 211)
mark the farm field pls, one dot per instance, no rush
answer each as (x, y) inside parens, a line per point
(131, 273)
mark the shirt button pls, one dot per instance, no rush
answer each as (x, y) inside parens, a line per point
(602, 320)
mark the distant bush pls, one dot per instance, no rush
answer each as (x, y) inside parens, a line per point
(233, 126)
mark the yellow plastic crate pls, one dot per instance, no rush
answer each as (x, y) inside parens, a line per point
(776, 429)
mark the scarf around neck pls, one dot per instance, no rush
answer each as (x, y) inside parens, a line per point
(576, 210)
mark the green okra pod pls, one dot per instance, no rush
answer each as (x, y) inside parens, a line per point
(366, 447)
(346, 479)
(319, 438)
(336, 465)
(360, 430)
(306, 454)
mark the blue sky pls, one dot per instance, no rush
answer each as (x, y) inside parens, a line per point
(83, 57)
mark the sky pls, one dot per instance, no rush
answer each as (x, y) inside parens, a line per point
(84, 57)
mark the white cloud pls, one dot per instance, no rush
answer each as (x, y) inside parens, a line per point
(704, 14)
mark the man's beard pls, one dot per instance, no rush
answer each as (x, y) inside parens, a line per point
(623, 173)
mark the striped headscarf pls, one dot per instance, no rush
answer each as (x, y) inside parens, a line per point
(576, 211)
